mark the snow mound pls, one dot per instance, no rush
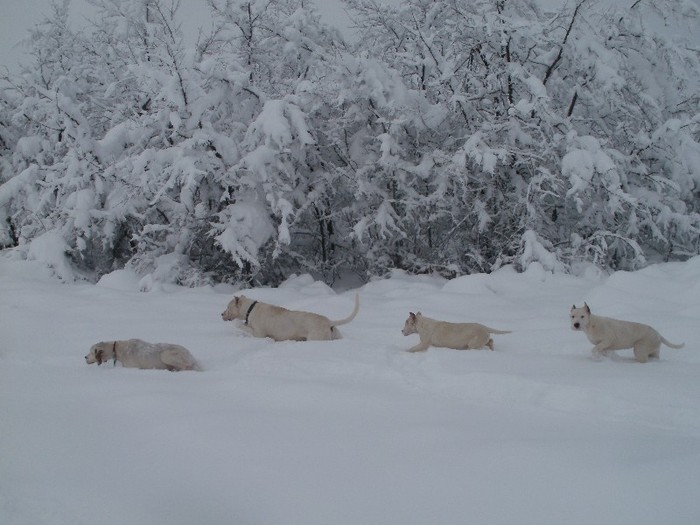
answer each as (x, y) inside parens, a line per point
(355, 430)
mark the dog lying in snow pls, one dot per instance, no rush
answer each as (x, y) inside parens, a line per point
(135, 353)
(267, 320)
(460, 336)
(612, 334)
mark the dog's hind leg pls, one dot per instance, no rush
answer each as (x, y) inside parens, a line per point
(643, 350)
(641, 355)
(480, 341)
(174, 361)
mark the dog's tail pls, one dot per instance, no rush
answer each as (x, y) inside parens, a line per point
(351, 316)
(494, 331)
(671, 345)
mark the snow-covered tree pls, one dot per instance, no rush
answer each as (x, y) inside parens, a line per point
(529, 95)
(631, 155)
(8, 142)
(286, 166)
(454, 136)
(54, 170)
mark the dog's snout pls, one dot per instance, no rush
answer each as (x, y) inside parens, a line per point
(577, 325)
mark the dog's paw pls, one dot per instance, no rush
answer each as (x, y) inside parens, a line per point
(597, 356)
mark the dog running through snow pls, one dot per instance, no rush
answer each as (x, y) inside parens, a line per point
(609, 334)
(135, 353)
(281, 324)
(460, 336)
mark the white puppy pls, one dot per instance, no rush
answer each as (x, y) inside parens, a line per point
(612, 334)
(135, 353)
(268, 320)
(460, 336)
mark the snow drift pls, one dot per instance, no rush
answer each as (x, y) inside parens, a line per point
(354, 431)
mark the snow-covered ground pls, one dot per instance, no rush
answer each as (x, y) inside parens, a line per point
(355, 431)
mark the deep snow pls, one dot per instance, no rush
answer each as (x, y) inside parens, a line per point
(354, 431)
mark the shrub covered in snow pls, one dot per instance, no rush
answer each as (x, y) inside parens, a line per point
(453, 136)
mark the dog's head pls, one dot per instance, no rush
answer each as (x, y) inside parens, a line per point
(234, 310)
(580, 317)
(100, 352)
(409, 326)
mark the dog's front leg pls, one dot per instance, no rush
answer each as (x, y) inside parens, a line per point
(248, 331)
(599, 351)
(420, 347)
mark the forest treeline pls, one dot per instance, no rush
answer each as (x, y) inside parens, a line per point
(448, 136)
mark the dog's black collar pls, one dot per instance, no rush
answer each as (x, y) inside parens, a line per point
(250, 309)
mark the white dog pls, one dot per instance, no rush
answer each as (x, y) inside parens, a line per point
(135, 353)
(267, 320)
(612, 334)
(460, 336)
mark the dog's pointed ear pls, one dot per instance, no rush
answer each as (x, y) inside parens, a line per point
(411, 315)
(588, 310)
(237, 300)
(573, 307)
(418, 314)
